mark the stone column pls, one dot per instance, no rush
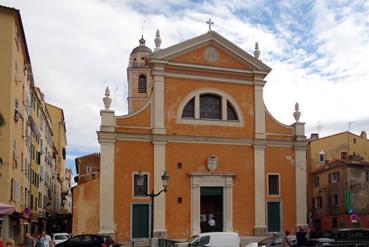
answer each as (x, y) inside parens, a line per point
(158, 100)
(106, 139)
(159, 206)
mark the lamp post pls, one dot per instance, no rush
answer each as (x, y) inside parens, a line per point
(152, 195)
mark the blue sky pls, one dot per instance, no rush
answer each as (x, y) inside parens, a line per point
(318, 51)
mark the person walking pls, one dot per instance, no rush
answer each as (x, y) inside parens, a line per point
(286, 241)
(300, 236)
(212, 224)
(1, 242)
(39, 242)
(10, 243)
(46, 239)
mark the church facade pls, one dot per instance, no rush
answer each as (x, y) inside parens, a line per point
(196, 113)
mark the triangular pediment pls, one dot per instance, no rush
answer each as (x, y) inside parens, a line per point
(211, 49)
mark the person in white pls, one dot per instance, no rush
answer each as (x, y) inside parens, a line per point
(212, 223)
(46, 239)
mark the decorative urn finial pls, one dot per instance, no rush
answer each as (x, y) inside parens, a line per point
(142, 41)
(297, 113)
(212, 163)
(157, 41)
(107, 99)
(257, 51)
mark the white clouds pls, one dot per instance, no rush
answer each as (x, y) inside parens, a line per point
(317, 52)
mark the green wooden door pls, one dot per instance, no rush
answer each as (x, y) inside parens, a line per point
(140, 221)
(274, 217)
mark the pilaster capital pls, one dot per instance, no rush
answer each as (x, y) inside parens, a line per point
(259, 84)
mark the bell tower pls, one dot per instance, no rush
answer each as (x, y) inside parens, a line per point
(139, 77)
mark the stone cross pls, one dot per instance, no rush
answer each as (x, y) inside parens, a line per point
(209, 22)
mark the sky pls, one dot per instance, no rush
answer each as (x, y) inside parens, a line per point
(317, 50)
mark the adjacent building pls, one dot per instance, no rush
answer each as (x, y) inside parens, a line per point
(29, 164)
(338, 181)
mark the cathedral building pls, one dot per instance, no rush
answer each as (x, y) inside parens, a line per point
(197, 115)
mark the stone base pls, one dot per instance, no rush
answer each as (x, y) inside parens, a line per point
(260, 231)
(160, 234)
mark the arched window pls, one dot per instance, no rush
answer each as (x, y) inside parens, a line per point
(142, 84)
(189, 110)
(231, 113)
(210, 106)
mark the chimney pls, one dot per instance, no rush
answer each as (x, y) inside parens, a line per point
(363, 135)
(314, 136)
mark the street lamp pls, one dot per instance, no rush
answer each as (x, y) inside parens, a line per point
(152, 195)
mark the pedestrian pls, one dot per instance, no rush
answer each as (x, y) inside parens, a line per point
(29, 241)
(10, 243)
(212, 224)
(1, 242)
(39, 242)
(300, 236)
(286, 241)
(46, 239)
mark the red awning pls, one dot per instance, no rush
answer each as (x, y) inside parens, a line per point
(6, 209)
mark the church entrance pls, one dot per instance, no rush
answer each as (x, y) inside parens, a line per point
(211, 207)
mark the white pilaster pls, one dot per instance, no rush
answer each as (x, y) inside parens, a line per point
(259, 110)
(159, 208)
(228, 204)
(259, 167)
(301, 183)
(158, 101)
(195, 208)
(107, 148)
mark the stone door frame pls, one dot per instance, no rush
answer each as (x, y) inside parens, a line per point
(208, 179)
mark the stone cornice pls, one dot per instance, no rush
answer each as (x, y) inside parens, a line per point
(214, 174)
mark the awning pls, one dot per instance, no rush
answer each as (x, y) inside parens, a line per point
(6, 209)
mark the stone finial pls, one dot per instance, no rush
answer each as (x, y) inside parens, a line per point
(297, 113)
(107, 100)
(257, 51)
(157, 41)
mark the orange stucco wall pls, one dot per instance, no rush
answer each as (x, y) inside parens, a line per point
(130, 156)
(281, 161)
(86, 208)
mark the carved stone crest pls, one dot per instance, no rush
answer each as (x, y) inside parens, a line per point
(210, 55)
(212, 163)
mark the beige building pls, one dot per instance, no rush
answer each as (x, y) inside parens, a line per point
(32, 160)
(338, 179)
(15, 81)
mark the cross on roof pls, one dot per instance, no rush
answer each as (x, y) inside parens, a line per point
(209, 22)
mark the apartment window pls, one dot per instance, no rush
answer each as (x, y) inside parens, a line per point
(354, 140)
(317, 202)
(334, 177)
(89, 169)
(39, 200)
(344, 155)
(322, 156)
(367, 175)
(273, 184)
(36, 203)
(316, 181)
(31, 202)
(140, 189)
(334, 201)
